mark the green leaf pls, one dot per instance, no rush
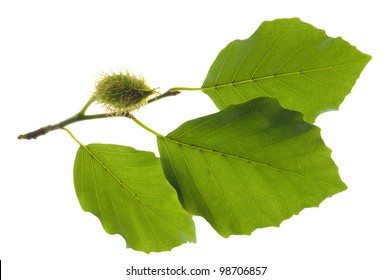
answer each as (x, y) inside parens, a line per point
(249, 166)
(126, 189)
(290, 60)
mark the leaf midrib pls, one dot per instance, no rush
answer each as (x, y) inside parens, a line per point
(275, 76)
(113, 175)
(223, 154)
(210, 150)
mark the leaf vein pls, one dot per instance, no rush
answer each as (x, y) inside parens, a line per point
(222, 65)
(220, 128)
(240, 64)
(250, 194)
(292, 55)
(220, 187)
(193, 179)
(268, 53)
(254, 132)
(277, 194)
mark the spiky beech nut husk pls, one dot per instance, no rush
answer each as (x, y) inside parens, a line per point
(122, 93)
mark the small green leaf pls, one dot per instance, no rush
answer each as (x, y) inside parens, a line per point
(127, 191)
(249, 166)
(290, 60)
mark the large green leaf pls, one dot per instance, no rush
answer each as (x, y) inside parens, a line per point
(290, 60)
(251, 165)
(126, 189)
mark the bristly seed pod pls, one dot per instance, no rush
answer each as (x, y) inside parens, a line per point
(122, 93)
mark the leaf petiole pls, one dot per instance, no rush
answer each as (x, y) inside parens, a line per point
(133, 118)
(184, 88)
(73, 137)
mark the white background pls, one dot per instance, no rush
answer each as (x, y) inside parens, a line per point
(50, 55)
